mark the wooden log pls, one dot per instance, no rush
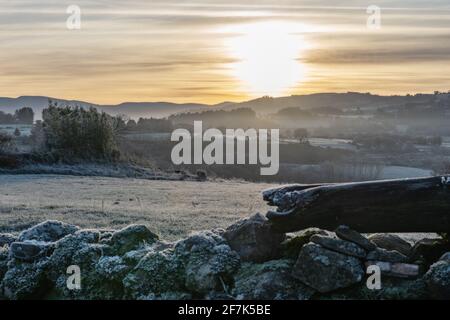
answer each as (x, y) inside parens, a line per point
(406, 205)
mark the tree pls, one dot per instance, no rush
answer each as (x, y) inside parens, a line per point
(24, 116)
(6, 118)
(74, 133)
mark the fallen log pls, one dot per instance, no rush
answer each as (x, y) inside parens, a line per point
(406, 205)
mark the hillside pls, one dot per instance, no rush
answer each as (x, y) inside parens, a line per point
(262, 105)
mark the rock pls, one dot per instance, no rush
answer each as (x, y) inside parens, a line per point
(48, 231)
(25, 280)
(391, 242)
(29, 251)
(429, 250)
(292, 245)
(4, 254)
(269, 281)
(398, 270)
(99, 279)
(338, 245)
(438, 280)
(391, 289)
(345, 233)
(112, 268)
(380, 254)
(157, 273)
(131, 238)
(209, 262)
(83, 250)
(211, 270)
(200, 264)
(325, 270)
(6, 239)
(254, 239)
(445, 257)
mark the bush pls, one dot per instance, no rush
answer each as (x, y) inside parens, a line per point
(74, 133)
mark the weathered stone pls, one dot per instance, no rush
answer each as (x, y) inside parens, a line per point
(97, 281)
(67, 247)
(391, 242)
(438, 280)
(156, 273)
(254, 239)
(398, 270)
(25, 280)
(293, 244)
(391, 289)
(445, 257)
(325, 270)
(209, 262)
(211, 270)
(29, 251)
(112, 268)
(6, 239)
(48, 231)
(269, 281)
(4, 254)
(345, 233)
(131, 238)
(341, 246)
(380, 254)
(429, 250)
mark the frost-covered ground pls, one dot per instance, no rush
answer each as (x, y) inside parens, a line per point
(171, 208)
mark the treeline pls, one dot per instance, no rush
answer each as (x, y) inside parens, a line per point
(20, 116)
(149, 125)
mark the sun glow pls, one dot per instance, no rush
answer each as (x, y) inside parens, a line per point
(268, 57)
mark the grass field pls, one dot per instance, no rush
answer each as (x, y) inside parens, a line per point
(171, 209)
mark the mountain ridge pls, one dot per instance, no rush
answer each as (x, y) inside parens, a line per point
(261, 105)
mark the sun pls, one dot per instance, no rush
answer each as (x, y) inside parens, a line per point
(267, 57)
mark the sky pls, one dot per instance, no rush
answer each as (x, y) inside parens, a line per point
(210, 51)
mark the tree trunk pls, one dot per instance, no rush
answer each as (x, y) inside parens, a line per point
(406, 205)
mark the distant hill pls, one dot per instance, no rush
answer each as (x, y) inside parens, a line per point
(131, 109)
(264, 105)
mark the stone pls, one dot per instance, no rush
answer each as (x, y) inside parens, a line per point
(291, 247)
(345, 233)
(438, 280)
(211, 270)
(4, 255)
(131, 238)
(380, 254)
(156, 273)
(209, 262)
(429, 250)
(254, 239)
(391, 242)
(271, 280)
(48, 231)
(112, 268)
(29, 251)
(25, 280)
(6, 239)
(391, 289)
(445, 257)
(398, 270)
(338, 245)
(325, 270)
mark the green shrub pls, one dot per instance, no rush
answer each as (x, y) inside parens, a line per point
(74, 133)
